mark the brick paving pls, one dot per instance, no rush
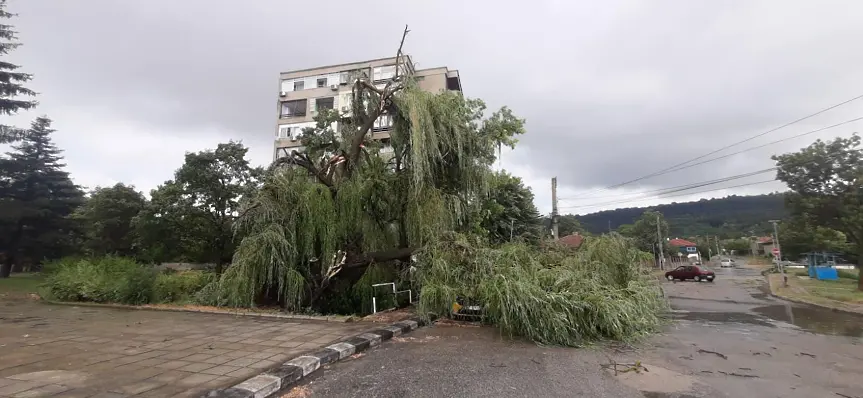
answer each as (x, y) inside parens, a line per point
(64, 351)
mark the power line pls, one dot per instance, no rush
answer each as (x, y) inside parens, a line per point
(686, 186)
(672, 168)
(683, 194)
(663, 192)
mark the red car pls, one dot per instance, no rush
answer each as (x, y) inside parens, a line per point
(697, 273)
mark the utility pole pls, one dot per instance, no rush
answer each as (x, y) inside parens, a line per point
(659, 240)
(511, 227)
(554, 216)
(716, 238)
(779, 257)
(609, 226)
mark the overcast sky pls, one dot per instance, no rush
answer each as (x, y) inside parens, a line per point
(611, 90)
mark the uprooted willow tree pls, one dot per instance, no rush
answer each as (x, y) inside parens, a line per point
(347, 211)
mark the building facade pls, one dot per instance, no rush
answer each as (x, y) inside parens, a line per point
(303, 93)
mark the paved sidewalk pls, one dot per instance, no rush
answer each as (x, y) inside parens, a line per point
(65, 351)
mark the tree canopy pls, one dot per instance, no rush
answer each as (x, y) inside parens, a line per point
(106, 220)
(305, 237)
(508, 211)
(37, 198)
(14, 96)
(197, 209)
(826, 180)
(644, 232)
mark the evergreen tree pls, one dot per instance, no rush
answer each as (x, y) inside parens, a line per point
(36, 198)
(11, 81)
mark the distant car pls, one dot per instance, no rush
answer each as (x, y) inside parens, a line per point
(694, 272)
(726, 262)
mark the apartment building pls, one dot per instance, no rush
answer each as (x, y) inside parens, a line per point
(302, 93)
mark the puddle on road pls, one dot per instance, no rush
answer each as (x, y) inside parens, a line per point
(816, 320)
(724, 317)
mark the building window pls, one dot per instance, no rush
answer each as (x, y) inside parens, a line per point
(325, 103)
(294, 108)
(322, 82)
(384, 73)
(298, 85)
(384, 122)
(284, 132)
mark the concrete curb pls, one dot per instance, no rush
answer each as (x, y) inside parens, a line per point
(271, 382)
(336, 318)
(806, 302)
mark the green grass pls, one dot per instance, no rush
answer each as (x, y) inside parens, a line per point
(21, 283)
(843, 289)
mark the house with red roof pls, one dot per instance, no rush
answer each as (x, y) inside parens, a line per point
(762, 245)
(684, 246)
(574, 240)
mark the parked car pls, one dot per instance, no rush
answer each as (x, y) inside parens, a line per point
(695, 272)
(726, 262)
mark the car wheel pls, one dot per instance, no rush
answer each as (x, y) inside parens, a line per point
(670, 278)
(697, 278)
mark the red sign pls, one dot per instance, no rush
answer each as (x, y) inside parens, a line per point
(775, 251)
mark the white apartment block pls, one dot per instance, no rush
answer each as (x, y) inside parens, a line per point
(304, 92)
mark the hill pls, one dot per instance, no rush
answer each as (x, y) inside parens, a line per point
(729, 217)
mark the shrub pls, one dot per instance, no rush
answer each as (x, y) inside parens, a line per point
(551, 296)
(179, 286)
(103, 279)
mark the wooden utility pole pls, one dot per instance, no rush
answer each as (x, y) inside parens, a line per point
(659, 239)
(779, 256)
(554, 215)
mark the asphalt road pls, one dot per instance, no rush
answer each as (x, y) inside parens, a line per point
(725, 339)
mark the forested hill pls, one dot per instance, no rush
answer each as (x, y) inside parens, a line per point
(729, 217)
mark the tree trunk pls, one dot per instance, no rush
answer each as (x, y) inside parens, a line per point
(6, 267)
(860, 267)
(356, 265)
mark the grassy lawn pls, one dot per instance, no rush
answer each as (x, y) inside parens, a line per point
(841, 293)
(21, 284)
(843, 289)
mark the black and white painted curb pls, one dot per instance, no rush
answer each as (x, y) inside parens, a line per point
(271, 382)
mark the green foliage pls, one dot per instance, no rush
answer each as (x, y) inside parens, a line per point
(508, 212)
(197, 208)
(362, 207)
(740, 246)
(800, 235)
(827, 183)
(552, 296)
(11, 80)
(106, 219)
(644, 232)
(37, 198)
(180, 286)
(729, 217)
(108, 279)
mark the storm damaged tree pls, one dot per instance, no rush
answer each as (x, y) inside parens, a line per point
(826, 180)
(352, 208)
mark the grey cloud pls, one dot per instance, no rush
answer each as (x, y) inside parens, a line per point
(611, 90)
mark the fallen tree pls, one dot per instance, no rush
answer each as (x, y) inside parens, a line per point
(552, 295)
(340, 215)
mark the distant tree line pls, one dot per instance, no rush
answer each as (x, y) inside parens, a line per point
(730, 217)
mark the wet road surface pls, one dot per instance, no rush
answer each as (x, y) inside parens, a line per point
(724, 339)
